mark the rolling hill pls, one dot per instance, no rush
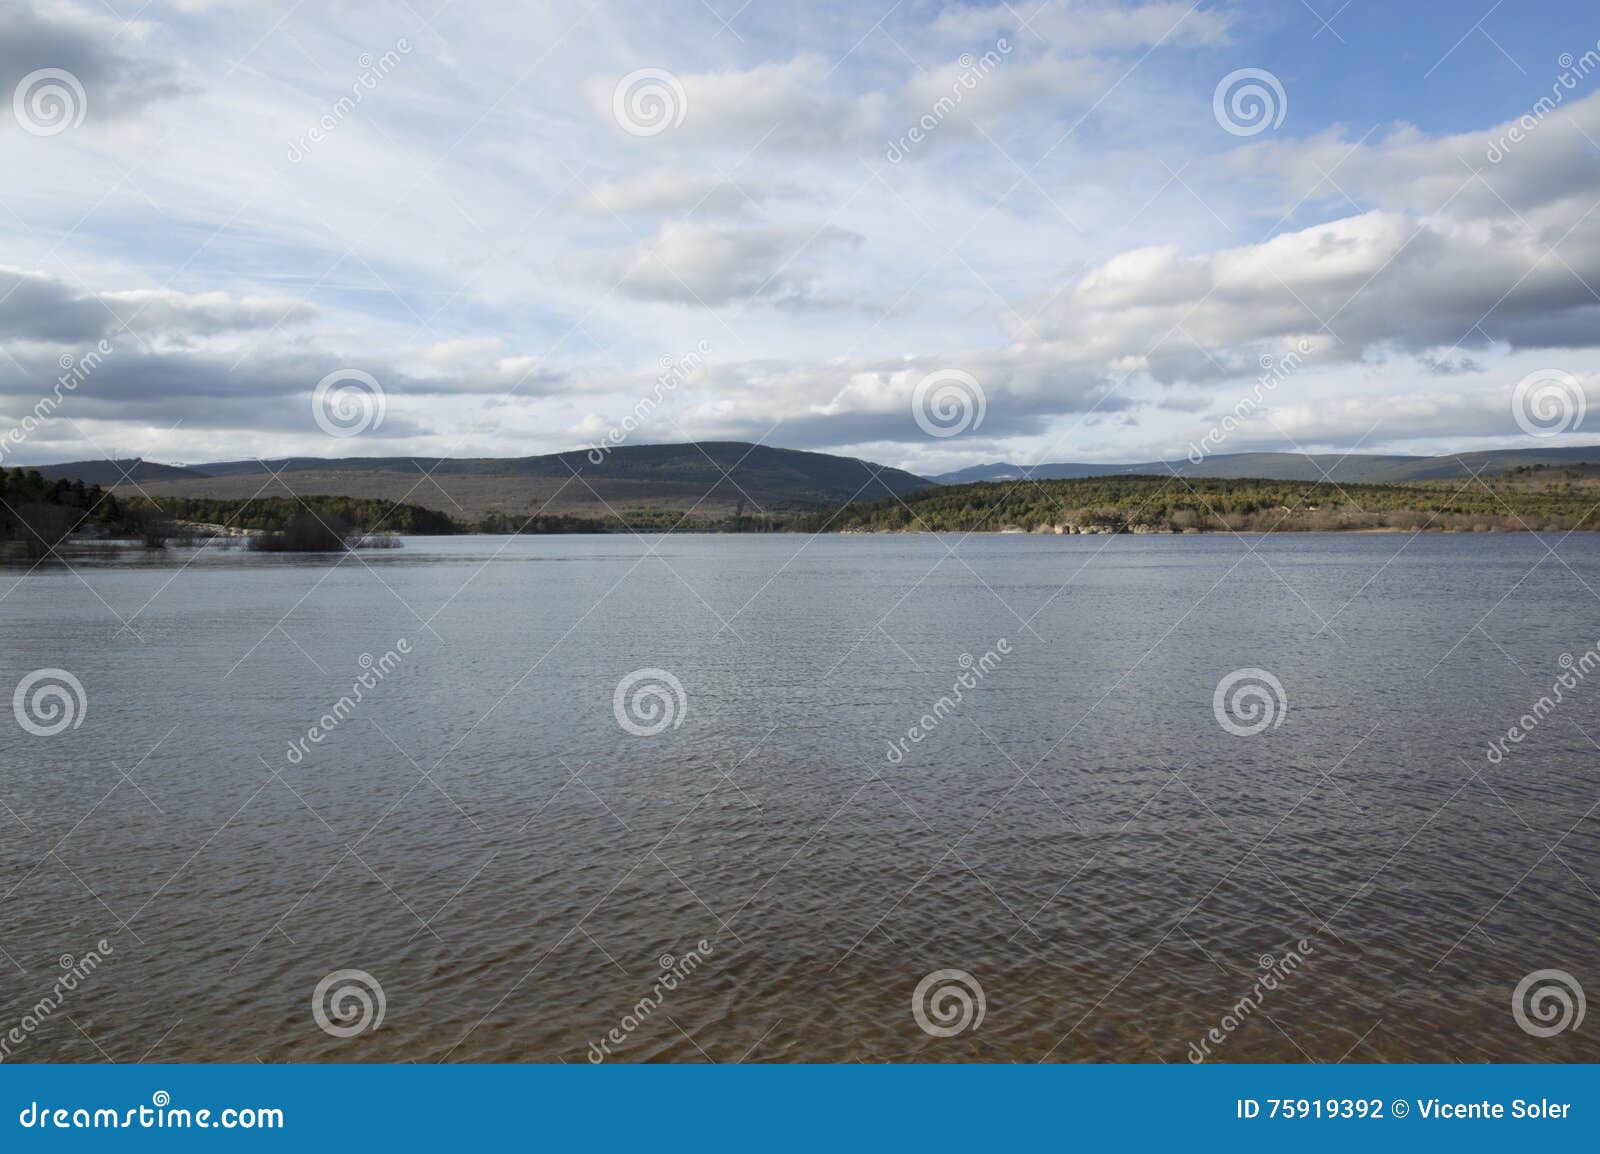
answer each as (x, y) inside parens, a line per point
(654, 486)
(1356, 468)
(705, 480)
(109, 473)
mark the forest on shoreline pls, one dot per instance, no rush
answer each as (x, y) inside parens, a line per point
(1522, 499)
(37, 514)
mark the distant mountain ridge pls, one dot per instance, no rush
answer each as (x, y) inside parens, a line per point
(1355, 468)
(109, 473)
(712, 479)
(704, 479)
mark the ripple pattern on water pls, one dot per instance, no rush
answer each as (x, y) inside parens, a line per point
(1078, 833)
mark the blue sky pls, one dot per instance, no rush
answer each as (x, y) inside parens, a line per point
(1078, 241)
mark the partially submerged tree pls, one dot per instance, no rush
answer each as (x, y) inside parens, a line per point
(307, 533)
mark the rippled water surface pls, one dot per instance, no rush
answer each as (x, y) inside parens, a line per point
(1079, 833)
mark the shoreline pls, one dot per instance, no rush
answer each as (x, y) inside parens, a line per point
(231, 541)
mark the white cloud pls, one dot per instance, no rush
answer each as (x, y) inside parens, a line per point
(510, 263)
(704, 265)
(1473, 269)
(37, 306)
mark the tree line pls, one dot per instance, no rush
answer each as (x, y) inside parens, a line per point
(36, 514)
(1141, 503)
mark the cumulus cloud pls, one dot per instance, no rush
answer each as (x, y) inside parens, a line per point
(1472, 269)
(270, 392)
(1481, 411)
(861, 400)
(512, 265)
(798, 105)
(35, 306)
(101, 51)
(689, 263)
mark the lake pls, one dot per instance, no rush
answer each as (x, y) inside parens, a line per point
(790, 849)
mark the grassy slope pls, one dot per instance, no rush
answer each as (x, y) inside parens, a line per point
(1546, 499)
(662, 478)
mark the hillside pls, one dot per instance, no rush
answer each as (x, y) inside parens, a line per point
(629, 481)
(1526, 498)
(109, 473)
(1354, 468)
